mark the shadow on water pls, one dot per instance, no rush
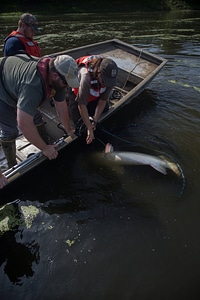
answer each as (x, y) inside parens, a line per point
(16, 258)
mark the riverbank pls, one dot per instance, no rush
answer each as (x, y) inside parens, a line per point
(103, 6)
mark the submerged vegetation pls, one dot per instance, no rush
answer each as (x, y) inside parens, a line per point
(81, 6)
(12, 216)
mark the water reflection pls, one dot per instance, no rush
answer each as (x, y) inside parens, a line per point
(163, 30)
(17, 259)
(159, 32)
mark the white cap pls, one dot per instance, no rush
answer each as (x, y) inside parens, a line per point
(67, 67)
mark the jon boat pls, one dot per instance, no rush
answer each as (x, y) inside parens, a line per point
(137, 68)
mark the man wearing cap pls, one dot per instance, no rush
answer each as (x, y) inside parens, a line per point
(24, 84)
(22, 38)
(97, 76)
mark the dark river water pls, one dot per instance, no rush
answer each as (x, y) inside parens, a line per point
(78, 229)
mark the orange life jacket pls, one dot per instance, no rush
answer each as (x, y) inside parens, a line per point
(95, 87)
(31, 47)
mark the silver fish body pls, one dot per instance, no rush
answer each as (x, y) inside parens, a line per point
(135, 158)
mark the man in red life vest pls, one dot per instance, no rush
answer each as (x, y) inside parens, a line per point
(97, 76)
(21, 40)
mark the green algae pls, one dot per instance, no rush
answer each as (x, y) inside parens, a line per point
(12, 216)
(186, 85)
(29, 213)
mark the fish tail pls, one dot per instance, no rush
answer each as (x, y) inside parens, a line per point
(174, 167)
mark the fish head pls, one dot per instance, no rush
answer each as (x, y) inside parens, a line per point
(108, 148)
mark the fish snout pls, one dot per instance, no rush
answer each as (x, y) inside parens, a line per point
(108, 148)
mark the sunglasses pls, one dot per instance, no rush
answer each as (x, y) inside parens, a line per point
(62, 79)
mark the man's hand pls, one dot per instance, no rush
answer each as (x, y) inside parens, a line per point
(90, 136)
(50, 152)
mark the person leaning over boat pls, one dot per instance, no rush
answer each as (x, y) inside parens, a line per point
(97, 76)
(18, 41)
(24, 84)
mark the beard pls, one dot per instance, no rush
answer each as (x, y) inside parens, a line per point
(56, 86)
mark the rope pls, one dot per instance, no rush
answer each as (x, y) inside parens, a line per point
(136, 64)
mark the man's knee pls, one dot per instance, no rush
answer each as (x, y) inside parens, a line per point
(8, 136)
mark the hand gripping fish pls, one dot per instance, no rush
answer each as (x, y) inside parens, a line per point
(134, 158)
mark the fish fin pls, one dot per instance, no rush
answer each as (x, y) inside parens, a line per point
(159, 169)
(108, 148)
(118, 158)
(172, 166)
